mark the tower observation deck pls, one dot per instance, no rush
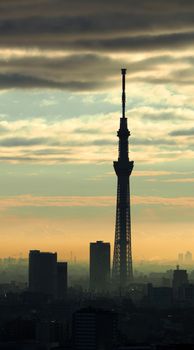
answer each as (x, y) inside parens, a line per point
(122, 260)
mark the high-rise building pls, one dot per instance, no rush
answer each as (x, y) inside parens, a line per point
(43, 272)
(188, 258)
(180, 258)
(99, 266)
(180, 278)
(61, 280)
(122, 259)
(94, 329)
(46, 275)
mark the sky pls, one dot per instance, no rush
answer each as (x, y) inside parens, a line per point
(60, 104)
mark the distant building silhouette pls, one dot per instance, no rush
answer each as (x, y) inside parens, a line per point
(188, 257)
(94, 329)
(161, 297)
(180, 258)
(46, 276)
(99, 266)
(180, 278)
(61, 280)
(122, 259)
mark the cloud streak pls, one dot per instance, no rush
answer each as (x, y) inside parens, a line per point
(89, 201)
(89, 71)
(183, 132)
(89, 139)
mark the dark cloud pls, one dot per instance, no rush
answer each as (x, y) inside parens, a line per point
(121, 41)
(75, 72)
(156, 117)
(32, 7)
(168, 79)
(27, 142)
(83, 68)
(139, 43)
(183, 132)
(26, 81)
(191, 147)
(21, 141)
(59, 23)
(86, 143)
(85, 72)
(86, 131)
(104, 142)
(51, 151)
(3, 129)
(87, 6)
(152, 142)
(32, 159)
(90, 29)
(40, 9)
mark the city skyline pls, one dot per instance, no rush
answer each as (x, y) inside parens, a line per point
(59, 111)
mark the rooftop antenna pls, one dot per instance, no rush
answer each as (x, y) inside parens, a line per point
(123, 72)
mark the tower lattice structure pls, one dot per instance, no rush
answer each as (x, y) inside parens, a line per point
(122, 259)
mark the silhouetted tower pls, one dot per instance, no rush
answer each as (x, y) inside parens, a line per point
(122, 259)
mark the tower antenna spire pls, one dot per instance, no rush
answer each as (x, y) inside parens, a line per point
(122, 259)
(123, 72)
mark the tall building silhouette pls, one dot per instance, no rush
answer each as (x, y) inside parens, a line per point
(122, 259)
(99, 266)
(43, 272)
(46, 275)
(61, 280)
(180, 279)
